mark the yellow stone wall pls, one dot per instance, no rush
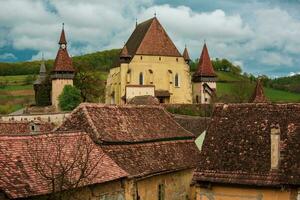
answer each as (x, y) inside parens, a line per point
(161, 78)
(176, 186)
(57, 88)
(132, 91)
(242, 193)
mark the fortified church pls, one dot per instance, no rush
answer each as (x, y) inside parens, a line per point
(149, 64)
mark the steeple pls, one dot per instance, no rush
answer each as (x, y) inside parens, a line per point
(62, 39)
(43, 73)
(186, 55)
(63, 62)
(258, 95)
(43, 67)
(205, 68)
(124, 55)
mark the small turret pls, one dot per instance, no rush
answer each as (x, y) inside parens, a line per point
(258, 95)
(186, 55)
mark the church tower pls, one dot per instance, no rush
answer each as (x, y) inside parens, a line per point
(204, 79)
(63, 71)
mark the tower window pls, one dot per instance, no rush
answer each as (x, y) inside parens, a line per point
(176, 80)
(160, 58)
(176, 59)
(141, 57)
(141, 79)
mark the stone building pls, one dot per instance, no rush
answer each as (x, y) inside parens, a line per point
(150, 64)
(63, 71)
(42, 88)
(158, 154)
(250, 151)
(204, 79)
(47, 90)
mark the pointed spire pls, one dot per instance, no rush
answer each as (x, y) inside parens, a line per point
(62, 39)
(136, 22)
(186, 55)
(205, 67)
(258, 95)
(42, 67)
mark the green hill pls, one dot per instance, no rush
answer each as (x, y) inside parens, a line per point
(16, 79)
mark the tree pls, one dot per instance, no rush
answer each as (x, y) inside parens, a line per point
(90, 82)
(63, 164)
(69, 98)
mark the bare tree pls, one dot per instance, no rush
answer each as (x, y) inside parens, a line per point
(64, 164)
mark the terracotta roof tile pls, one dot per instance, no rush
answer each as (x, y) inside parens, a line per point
(237, 148)
(155, 157)
(17, 127)
(19, 179)
(129, 123)
(150, 38)
(124, 53)
(258, 95)
(205, 67)
(144, 100)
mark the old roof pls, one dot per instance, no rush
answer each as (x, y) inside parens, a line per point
(19, 176)
(186, 55)
(144, 100)
(237, 148)
(194, 124)
(23, 127)
(125, 124)
(124, 53)
(205, 67)
(258, 95)
(63, 62)
(150, 38)
(153, 158)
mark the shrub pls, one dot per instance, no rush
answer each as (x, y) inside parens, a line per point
(70, 98)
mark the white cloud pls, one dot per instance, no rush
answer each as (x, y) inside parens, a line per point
(8, 56)
(266, 36)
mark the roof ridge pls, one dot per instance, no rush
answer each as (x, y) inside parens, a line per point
(42, 134)
(90, 121)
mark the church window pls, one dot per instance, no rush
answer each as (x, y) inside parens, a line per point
(128, 76)
(176, 80)
(159, 58)
(170, 76)
(197, 99)
(176, 59)
(161, 192)
(141, 79)
(150, 76)
(141, 57)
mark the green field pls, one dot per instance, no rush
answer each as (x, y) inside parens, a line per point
(273, 95)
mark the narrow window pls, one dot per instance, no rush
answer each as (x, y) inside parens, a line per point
(170, 76)
(161, 192)
(197, 99)
(176, 80)
(159, 58)
(150, 76)
(141, 79)
(176, 59)
(141, 57)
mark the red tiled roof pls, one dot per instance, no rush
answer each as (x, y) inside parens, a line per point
(237, 145)
(124, 53)
(62, 39)
(144, 100)
(186, 55)
(20, 179)
(63, 62)
(150, 38)
(155, 157)
(17, 127)
(124, 124)
(258, 95)
(205, 67)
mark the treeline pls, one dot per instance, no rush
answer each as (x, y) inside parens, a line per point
(101, 61)
(290, 83)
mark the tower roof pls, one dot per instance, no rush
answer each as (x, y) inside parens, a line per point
(62, 39)
(186, 55)
(124, 53)
(205, 67)
(63, 62)
(43, 73)
(258, 95)
(150, 38)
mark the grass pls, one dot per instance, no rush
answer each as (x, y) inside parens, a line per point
(273, 95)
(16, 87)
(229, 77)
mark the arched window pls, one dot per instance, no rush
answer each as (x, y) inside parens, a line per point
(176, 80)
(141, 79)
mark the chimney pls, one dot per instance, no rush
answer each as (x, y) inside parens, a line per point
(275, 146)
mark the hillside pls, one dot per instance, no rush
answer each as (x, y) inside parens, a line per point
(16, 79)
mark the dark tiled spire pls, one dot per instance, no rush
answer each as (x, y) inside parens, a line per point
(258, 95)
(205, 67)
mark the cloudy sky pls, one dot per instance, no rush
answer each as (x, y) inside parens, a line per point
(263, 36)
